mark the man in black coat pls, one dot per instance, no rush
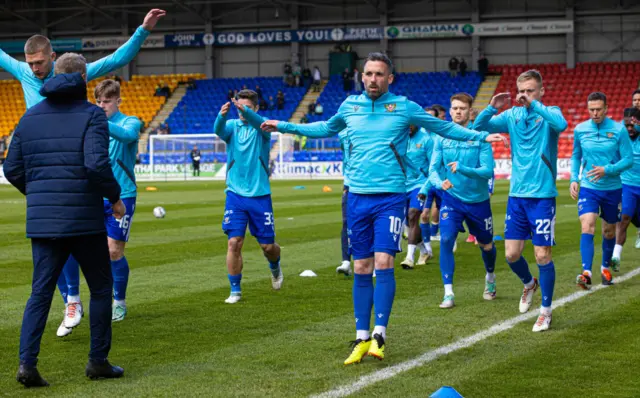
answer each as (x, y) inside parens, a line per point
(59, 159)
(195, 160)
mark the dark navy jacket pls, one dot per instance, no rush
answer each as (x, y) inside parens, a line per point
(59, 159)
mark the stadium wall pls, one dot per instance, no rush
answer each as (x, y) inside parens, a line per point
(603, 31)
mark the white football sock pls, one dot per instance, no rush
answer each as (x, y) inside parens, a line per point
(617, 251)
(362, 334)
(448, 289)
(411, 251)
(121, 303)
(427, 247)
(490, 277)
(73, 299)
(529, 285)
(381, 330)
(545, 310)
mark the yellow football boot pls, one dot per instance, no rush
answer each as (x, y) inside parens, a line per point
(360, 349)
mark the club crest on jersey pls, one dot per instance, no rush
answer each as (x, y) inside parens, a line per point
(418, 146)
(610, 135)
(445, 216)
(390, 107)
(538, 120)
(355, 108)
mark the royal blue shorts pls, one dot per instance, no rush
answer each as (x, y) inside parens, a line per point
(257, 212)
(374, 223)
(119, 229)
(414, 201)
(631, 203)
(531, 218)
(605, 203)
(434, 194)
(477, 216)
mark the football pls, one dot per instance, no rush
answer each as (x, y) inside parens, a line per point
(159, 212)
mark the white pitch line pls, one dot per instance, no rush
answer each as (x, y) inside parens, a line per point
(387, 373)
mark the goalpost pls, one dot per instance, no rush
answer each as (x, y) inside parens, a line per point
(170, 157)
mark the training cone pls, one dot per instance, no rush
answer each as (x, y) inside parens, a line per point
(446, 392)
(327, 188)
(151, 189)
(308, 273)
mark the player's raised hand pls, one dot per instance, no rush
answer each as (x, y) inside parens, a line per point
(119, 210)
(524, 99)
(596, 173)
(238, 105)
(446, 185)
(453, 166)
(498, 138)
(574, 190)
(152, 18)
(500, 100)
(270, 126)
(224, 109)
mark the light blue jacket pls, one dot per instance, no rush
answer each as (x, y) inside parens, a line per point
(632, 176)
(474, 168)
(534, 133)
(31, 85)
(378, 132)
(247, 154)
(606, 144)
(418, 159)
(124, 132)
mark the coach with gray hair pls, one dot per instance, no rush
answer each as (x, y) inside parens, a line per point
(59, 159)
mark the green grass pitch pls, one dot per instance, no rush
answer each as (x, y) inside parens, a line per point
(181, 339)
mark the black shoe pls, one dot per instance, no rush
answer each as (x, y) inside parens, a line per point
(103, 370)
(30, 377)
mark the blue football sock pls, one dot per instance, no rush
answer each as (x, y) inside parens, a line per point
(383, 295)
(363, 300)
(120, 272)
(62, 286)
(489, 259)
(234, 281)
(434, 229)
(447, 262)
(521, 268)
(275, 267)
(586, 251)
(426, 232)
(547, 282)
(607, 251)
(71, 273)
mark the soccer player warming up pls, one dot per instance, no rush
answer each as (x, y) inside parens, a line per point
(466, 167)
(248, 190)
(377, 124)
(630, 188)
(531, 209)
(417, 158)
(602, 148)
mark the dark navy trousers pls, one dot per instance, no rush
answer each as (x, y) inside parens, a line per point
(49, 257)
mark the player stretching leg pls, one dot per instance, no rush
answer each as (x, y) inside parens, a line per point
(377, 124)
(417, 158)
(630, 187)
(466, 167)
(248, 190)
(531, 209)
(345, 267)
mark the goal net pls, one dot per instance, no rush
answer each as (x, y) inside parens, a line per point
(169, 157)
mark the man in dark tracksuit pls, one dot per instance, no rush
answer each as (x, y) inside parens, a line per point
(59, 159)
(195, 160)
